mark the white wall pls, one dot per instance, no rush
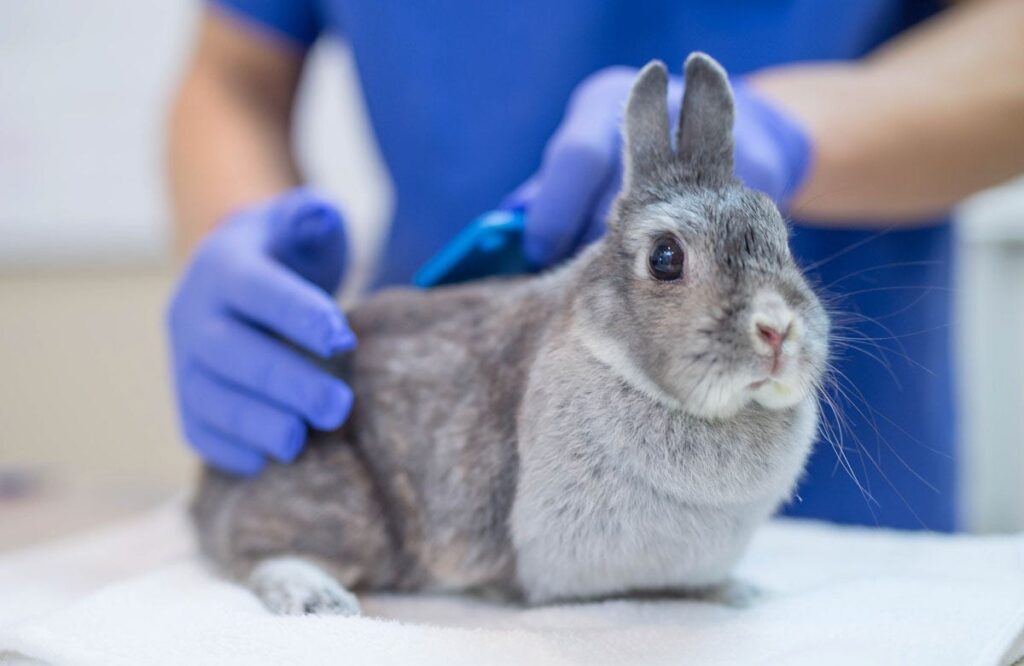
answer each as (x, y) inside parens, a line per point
(84, 88)
(991, 324)
(81, 87)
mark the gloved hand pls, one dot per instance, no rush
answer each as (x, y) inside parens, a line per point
(568, 199)
(266, 271)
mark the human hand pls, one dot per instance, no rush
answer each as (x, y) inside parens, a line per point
(567, 200)
(266, 271)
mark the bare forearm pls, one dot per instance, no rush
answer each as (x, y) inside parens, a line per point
(229, 142)
(926, 120)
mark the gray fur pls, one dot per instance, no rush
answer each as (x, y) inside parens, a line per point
(588, 432)
(645, 129)
(704, 137)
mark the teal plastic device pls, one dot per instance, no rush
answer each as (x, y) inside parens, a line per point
(491, 245)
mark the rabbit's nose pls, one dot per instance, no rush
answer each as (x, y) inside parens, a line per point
(771, 335)
(772, 323)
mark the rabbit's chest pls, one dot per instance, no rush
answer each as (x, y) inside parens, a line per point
(615, 494)
(613, 537)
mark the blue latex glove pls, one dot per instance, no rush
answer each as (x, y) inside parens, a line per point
(568, 199)
(267, 271)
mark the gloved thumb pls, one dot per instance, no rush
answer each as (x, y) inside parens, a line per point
(520, 198)
(303, 218)
(307, 235)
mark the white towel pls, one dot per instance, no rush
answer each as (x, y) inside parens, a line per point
(828, 595)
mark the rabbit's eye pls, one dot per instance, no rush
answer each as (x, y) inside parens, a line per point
(666, 259)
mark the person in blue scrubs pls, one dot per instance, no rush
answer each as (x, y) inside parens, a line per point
(866, 120)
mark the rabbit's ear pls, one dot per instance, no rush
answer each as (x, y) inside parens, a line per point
(704, 138)
(646, 125)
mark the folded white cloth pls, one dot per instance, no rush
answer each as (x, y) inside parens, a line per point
(827, 595)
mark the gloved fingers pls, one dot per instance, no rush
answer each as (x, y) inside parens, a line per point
(273, 296)
(578, 163)
(242, 355)
(773, 150)
(223, 453)
(570, 185)
(242, 417)
(307, 234)
(676, 86)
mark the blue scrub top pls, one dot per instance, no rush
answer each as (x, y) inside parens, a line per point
(463, 95)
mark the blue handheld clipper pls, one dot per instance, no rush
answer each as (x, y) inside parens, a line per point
(491, 245)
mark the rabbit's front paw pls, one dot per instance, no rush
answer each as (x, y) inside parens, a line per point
(294, 586)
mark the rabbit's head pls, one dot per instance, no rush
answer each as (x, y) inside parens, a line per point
(694, 296)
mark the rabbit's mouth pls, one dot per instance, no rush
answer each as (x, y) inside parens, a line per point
(779, 390)
(778, 367)
(776, 394)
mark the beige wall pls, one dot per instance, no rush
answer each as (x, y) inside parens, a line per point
(85, 409)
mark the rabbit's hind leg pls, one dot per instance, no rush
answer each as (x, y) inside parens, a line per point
(301, 535)
(291, 585)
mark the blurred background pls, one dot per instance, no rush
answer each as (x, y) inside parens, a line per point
(87, 430)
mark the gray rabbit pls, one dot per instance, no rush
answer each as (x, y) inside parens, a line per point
(620, 424)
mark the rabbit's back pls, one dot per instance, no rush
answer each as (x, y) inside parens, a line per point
(431, 443)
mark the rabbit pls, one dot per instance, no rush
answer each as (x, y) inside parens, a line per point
(620, 424)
